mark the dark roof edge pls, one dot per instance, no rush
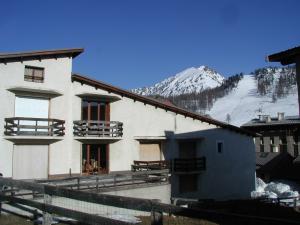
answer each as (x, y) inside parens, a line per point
(86, 80)
(19, 56)
(285, 57)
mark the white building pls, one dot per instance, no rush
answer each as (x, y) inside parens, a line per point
(55, 123)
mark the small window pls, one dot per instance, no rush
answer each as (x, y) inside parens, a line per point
(34, 74)
(220, 147)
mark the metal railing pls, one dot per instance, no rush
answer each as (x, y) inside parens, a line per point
(83, 128)
(189, 165)
(26, 126)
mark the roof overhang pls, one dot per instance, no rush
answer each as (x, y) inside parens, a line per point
(33, 55)
(34, 92)
(97, 140)
(150, 139)
(285, 57)
(101, 97)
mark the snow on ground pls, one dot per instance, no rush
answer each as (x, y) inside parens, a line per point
(244, 104)
(276, 189)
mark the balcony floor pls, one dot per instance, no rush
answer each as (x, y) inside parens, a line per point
(33, 139)
(97, 140)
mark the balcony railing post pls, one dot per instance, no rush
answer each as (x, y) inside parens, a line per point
(18, 128)
(36, 125)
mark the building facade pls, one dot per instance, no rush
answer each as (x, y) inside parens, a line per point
(56, 123)
(278, 147)
(278, 134)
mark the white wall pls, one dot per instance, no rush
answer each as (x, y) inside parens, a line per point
(57, 77)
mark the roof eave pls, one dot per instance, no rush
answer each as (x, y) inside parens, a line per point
(285, 57)
(20, 56)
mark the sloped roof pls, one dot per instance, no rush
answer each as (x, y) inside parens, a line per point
(272, 161)
(20, 56)
(98, 84)
(288, 120)
(263, 158)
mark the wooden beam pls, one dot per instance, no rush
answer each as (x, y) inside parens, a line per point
(129, 203)
(77, 215)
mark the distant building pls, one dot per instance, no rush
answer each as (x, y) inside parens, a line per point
(278, 147)
(279, 134)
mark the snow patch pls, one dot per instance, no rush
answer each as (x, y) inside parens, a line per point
(274, 190)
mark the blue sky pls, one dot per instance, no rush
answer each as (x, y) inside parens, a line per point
(134, 43)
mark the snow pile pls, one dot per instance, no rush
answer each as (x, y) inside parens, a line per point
(273, 190)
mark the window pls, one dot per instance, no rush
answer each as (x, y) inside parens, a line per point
(220, 147)
(34, 74)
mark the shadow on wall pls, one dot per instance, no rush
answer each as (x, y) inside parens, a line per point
(230, 167)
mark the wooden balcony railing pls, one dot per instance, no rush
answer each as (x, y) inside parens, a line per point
(26, 126)
(150, 165)
(189, 165)
(83, 128)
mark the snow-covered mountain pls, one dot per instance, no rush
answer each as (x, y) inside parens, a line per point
(237, 99)
(244, 103)
(188, 81)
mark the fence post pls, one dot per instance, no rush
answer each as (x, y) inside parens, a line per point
(35, 217)
(97, 183)
(47, 217)
(156, 216)
(78, 183)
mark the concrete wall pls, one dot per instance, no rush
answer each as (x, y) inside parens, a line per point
(267, 143)
(228, 175)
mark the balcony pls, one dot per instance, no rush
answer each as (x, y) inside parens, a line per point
(96, 129)
(189, 166)
(24, 130)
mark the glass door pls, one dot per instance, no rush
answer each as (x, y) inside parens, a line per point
(95, 158)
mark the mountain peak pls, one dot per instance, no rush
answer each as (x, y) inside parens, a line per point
(188, 81)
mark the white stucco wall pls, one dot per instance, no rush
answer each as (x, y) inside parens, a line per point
(57, 77)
